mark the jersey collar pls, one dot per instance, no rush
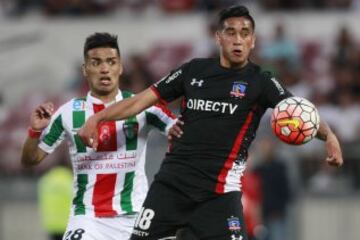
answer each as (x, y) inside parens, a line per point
(93, 100)
(247, 68)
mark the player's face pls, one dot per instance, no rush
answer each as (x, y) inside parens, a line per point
(236, 40)
(102, 69)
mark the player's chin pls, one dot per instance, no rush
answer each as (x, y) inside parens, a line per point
(236, 60)
(104, 90)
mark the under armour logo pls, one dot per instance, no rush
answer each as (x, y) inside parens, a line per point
(198, 83)
(233, 237)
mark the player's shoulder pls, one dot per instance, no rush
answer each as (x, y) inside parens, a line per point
(197, 65)
(268, 79)
(74, 104)
(126, 94)
(202, 61)
(264, 75)
(261, 71)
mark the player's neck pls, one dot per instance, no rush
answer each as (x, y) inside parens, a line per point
(105, 98)
(227, 64)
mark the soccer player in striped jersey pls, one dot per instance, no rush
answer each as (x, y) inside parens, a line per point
(109, 181)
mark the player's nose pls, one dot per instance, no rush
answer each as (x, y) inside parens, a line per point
(238, 40)
(104, 68)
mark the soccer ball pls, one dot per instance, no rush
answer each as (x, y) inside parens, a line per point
(295, 120)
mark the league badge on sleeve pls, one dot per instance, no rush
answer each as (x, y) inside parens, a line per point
(238, 89)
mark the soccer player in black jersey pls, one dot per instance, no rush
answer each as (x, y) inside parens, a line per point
(198, 187)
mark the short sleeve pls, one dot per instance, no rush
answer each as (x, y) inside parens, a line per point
(171, 86)
(274, 91)
(160, 117)
(53, 134)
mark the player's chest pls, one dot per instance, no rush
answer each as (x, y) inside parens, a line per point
(73, 120)
(243, 91)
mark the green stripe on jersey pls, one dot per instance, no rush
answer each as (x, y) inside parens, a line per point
(80, 146)
(155, 121)
(130, 128)
(126, 203)
(83, 98)
(78, 122)
(78, 119)
(82, 181)
(126, 94)
(55, 132)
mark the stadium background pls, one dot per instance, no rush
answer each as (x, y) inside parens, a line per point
(313, 47)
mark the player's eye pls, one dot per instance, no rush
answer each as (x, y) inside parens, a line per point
(95, 63)
(245, 33)
(111, 62)
(230, 32)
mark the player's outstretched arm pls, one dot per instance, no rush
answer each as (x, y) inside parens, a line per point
(333, 149)
(121, 110)
(39, 120)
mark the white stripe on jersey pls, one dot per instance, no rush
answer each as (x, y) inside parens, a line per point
(233, 178)
(140, 183)
(119, 186)
(121, 140)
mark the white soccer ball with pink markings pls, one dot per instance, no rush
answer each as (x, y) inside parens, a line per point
(295, 120)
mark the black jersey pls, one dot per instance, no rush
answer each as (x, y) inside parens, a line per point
(221, 110)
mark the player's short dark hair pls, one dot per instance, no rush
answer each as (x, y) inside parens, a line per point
(234, 11)
(98, 40)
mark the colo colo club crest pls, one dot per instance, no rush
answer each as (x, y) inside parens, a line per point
(238, 89)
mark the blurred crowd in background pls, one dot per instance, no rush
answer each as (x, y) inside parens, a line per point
(96, 7)
(330, 79)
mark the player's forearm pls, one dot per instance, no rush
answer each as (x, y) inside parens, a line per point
(332, 144)
(31, 154)
(118, 111)
(128, 107)
(324, 131)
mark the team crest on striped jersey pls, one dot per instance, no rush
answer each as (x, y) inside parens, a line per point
(238, 89)
(131, 129)
(105, 134)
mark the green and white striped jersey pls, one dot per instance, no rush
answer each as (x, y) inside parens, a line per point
(110, 181)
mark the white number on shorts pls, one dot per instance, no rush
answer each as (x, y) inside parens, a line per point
(76, 235)
(144, 219)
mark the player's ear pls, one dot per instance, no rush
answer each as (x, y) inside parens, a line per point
(253, 41)
(83, 69)
(121, 68)
(217, 37)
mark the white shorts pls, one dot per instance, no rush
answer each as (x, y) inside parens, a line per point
(91, 228)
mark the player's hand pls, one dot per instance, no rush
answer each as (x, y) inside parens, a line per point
(41, 116)
(88, 133)
(333, 149)
(175, 130)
